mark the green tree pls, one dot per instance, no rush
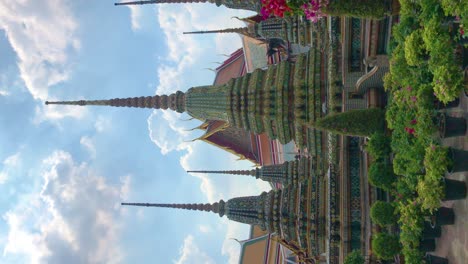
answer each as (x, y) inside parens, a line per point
(383, 213)
(354, 257)
(361, 122)
(379, 146)
(385, 246)
(381, 175)
(357, 8)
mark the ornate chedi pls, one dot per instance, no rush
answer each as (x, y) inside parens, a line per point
(253, 5)
(284, 100)
(292, 213)
(290, 172)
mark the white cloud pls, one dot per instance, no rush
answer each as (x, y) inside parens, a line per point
(88, 143)
(135, 16)
(205, 228)
(102, 123)
(43, 35)
(190, 253)
(54, 112)
(71, 219)
(4, 93)
(9, 164)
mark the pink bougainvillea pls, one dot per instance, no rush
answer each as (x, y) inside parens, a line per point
(281, 8)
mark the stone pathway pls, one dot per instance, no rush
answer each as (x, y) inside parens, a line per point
(453, 244)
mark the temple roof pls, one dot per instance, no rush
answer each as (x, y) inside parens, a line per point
(231, 139)
(233, 67)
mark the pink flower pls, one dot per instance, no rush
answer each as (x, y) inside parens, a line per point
(410, 130)
(409, 88)
(414, 122)
(413, 98)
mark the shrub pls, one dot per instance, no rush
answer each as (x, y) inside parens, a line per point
(381, 175)
(436, 161)
(431, 189)
(411, 224)
(430, 193)
(456, 8)
(385, 246)
(411, 227)
(357, 8)
(379, 146)
(412, 255)
(354, 257)
(415, 50)
(404, 188)
(362, 122)
(383, 213)
(448, 82)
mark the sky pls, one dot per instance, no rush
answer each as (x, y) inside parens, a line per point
(65, 170)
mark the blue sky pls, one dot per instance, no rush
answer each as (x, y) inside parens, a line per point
(65, 170)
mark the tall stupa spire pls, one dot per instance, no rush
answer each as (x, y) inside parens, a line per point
(147, 2)
(292, 212)
(231, 172)
(290, 172)
(241, 30)
(217, 208)
(175, 101)
(253, 5)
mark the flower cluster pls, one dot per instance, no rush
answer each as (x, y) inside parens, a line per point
(410, 130)
(311, 9)
(276, 8)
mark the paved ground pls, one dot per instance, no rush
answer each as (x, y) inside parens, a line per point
(453, 244)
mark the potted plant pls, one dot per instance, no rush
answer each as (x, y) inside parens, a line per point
(454, 190)
(385, 246)
(431, 231)
(443, 216)
(383, 213)
(431, 259)
(459, 160)
(451, 126)
(439, 105)
(427, 245)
